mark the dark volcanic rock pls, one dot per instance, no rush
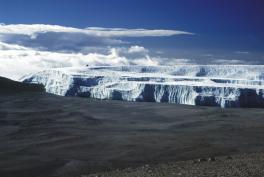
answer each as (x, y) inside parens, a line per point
(10, 86)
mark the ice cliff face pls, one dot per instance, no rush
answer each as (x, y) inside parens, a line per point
(210, 85)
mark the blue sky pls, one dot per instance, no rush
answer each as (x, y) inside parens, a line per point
(224, 29)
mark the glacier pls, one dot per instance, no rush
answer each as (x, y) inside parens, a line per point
(203, 85)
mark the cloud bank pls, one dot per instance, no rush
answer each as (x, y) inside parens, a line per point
(17, 61)
(69, 39)
(27, 49)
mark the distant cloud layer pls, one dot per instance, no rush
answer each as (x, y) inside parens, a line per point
(55, 38)
(27, 49)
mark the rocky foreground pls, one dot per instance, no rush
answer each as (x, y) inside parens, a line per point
(246, 165)
(44, 135)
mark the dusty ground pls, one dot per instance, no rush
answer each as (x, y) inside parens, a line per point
(44, 135)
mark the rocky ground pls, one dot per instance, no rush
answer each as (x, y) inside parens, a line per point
(246, 165)
(44, 135)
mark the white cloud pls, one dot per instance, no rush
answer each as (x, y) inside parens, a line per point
(33, 30)
(137, 49)
(69, 39)
(208, 55)
(27, 49)
(229, 62)
(174, 61)
(159, 52)
(242, 52)
(17, 61)
(4, 46)
(145, 62)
